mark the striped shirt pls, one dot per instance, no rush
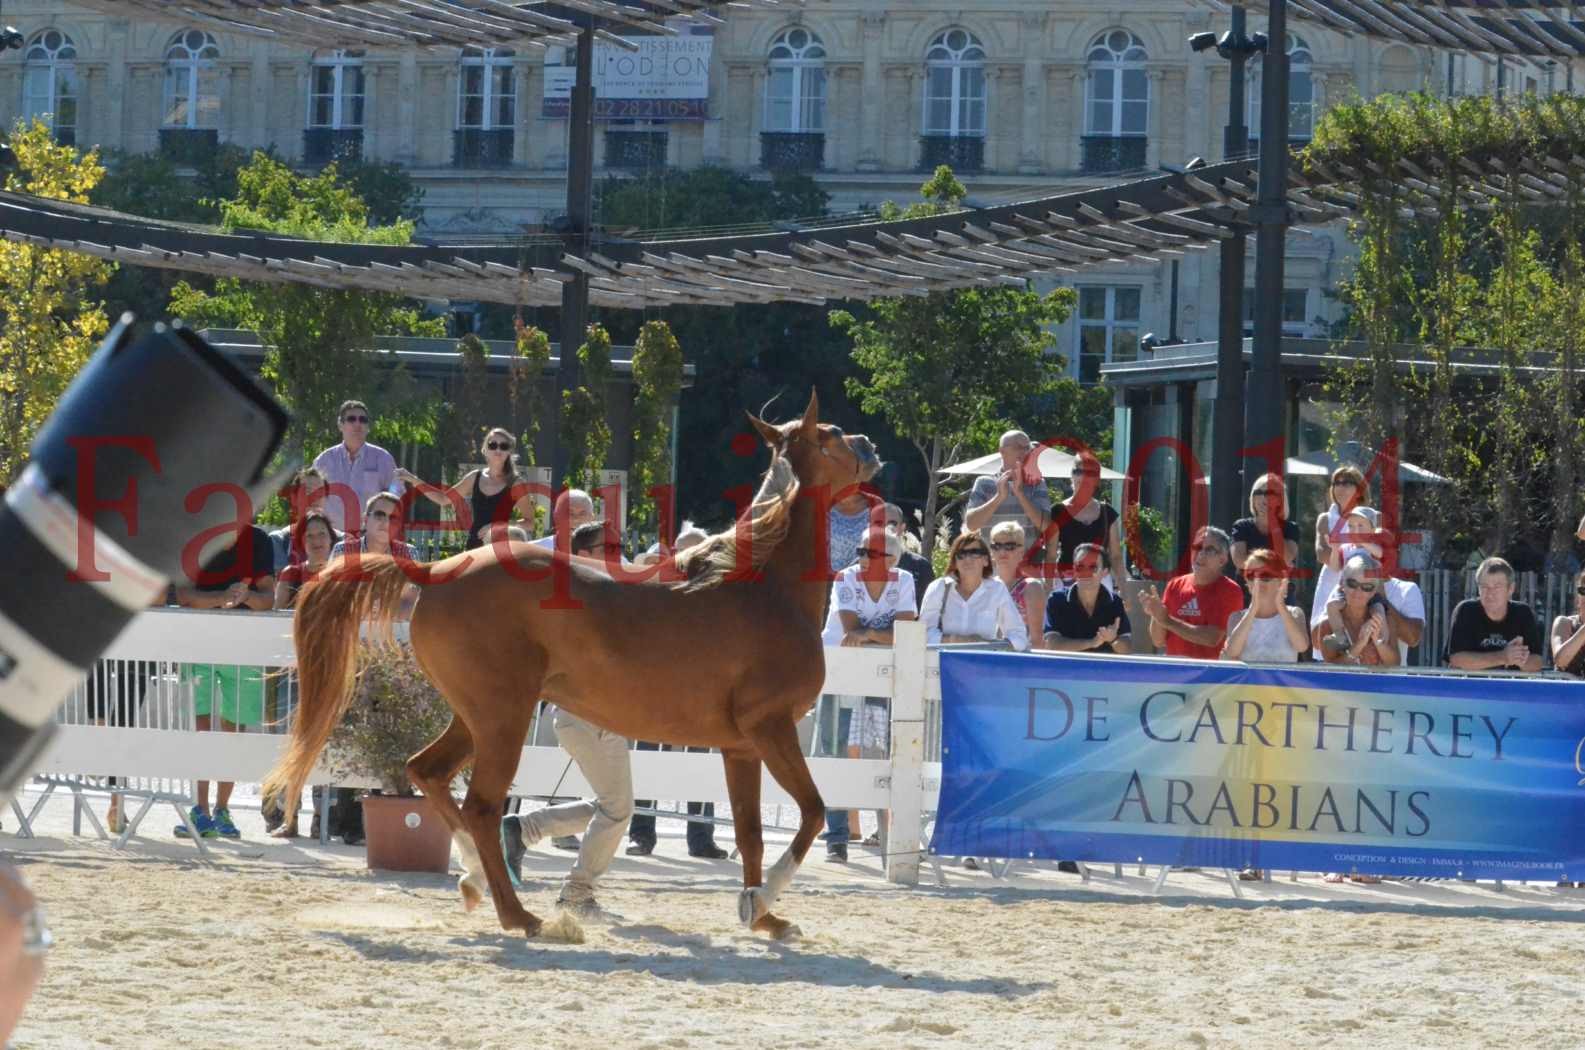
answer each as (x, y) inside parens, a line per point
(399, 550)
(372, 472)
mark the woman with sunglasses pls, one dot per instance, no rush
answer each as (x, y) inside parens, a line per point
(968, 603)
(1366, 637)
(485, 490)
(1028, 593)
(1082, 518)
(1268, 508)
(382, 522)
(1568, 634)
(1267, 631)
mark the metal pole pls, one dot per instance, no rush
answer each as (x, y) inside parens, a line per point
(580, 199)
(1227, 423)
(1267, 407)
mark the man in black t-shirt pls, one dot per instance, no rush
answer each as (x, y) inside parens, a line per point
(1087, 617)
(1493, 632)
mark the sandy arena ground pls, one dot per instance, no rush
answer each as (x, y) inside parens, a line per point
(287, 945)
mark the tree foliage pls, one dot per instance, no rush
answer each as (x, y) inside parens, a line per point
(657, 380)
(584, 431)
(953, 370)
(522, 385)
(319, 340)
(1482, 277)
(708, 196)
(50, 323)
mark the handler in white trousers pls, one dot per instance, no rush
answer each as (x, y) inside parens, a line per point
(603, 759)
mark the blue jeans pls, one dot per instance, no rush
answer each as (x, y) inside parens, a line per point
(833, 737)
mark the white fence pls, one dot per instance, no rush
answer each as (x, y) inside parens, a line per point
(159, 744)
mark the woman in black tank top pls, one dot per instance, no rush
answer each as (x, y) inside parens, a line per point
(486, 491)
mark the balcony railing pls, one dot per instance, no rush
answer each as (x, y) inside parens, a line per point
(959, 152)
(1109, 154)
(481, 148)
(189, 146)
(792, 150)
(635, 150)
(323, 145)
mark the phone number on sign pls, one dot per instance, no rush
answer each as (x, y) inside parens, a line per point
(635, 108)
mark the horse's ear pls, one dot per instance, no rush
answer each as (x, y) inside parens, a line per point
(811, 418)
(772, 436)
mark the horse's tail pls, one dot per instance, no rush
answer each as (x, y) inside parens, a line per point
(330, 611)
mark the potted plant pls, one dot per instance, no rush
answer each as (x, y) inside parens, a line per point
(396, 715)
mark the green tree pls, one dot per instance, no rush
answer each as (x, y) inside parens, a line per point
(657, 380)
(50, 322)
(584, 431)
(952, 370)
(319, 340)
(698, 197)
(522, 385)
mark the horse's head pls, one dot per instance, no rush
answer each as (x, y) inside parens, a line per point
(820, 454)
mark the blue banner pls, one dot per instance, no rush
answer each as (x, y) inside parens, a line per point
(1222, 765)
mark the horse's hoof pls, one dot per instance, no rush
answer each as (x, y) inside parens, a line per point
(777, 929)
(530, 924)
(471, 897)
(751, 905)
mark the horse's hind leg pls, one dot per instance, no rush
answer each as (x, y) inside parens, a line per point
(498, 749)
(432, 771)
(777, 743)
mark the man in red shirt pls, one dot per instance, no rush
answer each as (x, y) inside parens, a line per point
(1191, 619)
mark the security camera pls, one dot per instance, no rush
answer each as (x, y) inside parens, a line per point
(1258, 42)
(1202, 41)
(11, 38)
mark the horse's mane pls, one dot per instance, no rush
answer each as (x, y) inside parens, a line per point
(766, 522)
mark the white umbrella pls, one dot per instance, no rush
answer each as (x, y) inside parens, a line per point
(1321, 464)
(1054, 463)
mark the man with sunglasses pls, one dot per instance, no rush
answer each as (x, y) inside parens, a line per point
(1012, 495)
(355, 470)
(1190, 620)
(1493, 632)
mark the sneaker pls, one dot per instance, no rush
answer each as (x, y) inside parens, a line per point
(709, 852)
(1068, 867)
(202, 821)
(587, 909)
(512, 848)
(224, 825)
(566, 842)
(837, 852)
(641, 849)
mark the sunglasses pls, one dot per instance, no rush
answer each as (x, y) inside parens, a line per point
(1262, 574)
(1580, 591)
(1007, 546)
(1260, 492)
(871, 552)
(1199, 548)
(1360, 585)
(383, 515)
(498, 446)
(354, 419)
(974, 552)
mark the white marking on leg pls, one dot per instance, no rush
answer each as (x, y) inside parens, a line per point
(472, 867)
(779, 875)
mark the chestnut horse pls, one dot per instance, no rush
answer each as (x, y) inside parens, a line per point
(727, 656)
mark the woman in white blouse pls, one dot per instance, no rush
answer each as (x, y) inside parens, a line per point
(968, 603)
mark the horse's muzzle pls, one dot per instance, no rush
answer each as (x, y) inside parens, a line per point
(863, 450)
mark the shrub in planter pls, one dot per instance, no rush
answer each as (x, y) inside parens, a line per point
(397, 713)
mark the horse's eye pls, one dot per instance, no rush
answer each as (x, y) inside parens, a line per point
(836, 432)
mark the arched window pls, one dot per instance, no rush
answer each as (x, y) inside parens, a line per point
(49, 83)
(1301, 93)
(487, 90)
(1119, 91)
(192, 86)
(795, 89)
(955, 85)
(335, 91)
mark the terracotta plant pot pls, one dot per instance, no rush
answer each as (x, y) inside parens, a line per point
(404, 833)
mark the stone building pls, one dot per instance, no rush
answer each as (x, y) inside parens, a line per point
(1021, 98)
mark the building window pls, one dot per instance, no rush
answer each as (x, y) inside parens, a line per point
(192, 84)
(1301, 94)
(955, 85)
(1295, 312)
(1108, 329)
(795, 89)
(49, 83)
(1119, 91)
(486, 90)
(335, 91)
